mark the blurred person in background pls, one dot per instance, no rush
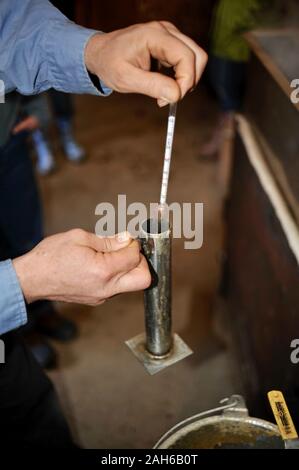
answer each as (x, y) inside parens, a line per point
(63, 112)
(229, 55)
(62, 107)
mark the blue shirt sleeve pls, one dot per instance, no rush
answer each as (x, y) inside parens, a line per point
(12, 305)
(41, 49)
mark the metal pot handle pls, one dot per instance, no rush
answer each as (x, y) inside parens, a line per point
(234, 405)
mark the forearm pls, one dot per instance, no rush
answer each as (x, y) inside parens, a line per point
(12, 304)
(40, 48)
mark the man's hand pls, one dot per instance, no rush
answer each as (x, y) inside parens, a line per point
(30, 123)
(122, 60)
(77, 266)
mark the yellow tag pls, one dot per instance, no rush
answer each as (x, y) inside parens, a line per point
(282, 415)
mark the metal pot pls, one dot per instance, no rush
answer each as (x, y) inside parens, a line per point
(225, 427)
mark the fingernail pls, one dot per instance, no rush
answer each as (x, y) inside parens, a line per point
(123, 237)
(162, 102)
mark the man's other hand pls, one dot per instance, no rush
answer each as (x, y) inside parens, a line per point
(77, 266)
(29, 123)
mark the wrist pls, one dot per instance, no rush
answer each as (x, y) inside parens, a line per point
(27, 276)
(91, 53)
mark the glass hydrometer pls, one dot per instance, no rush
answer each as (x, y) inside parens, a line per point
(168, 152)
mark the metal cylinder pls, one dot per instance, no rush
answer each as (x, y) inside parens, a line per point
(155, 239)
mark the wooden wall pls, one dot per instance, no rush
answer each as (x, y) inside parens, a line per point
(290, 12)
(192, 16)
(263, 294)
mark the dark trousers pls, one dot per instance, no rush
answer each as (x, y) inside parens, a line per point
(21, 223)
(30, 415)
(21, 226)
(62, 104)
(227, 78)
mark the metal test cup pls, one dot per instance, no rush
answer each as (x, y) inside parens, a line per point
(158, 348)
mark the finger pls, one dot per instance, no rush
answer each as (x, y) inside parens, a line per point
(153, 84)
(167, 48)
(137, 279)
(200, 55)
(109, 244)
(120, 262)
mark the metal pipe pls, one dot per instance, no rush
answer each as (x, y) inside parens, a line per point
(158, 348)
(155, 239)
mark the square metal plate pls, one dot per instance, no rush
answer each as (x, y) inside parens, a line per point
(179, 351)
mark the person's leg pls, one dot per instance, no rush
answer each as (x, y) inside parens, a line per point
(30, 415)
(21, 228)
(38, 107)
(45, 159)
(62, 104)
(20, 208)
(63, 109)
(227, 78)
(231, 85)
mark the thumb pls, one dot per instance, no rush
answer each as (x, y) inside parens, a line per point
(154, 84)
(108, 244)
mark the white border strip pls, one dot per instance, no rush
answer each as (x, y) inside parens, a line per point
(269, 185)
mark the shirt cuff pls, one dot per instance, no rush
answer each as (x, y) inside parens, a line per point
(12, 305)
(66, 64)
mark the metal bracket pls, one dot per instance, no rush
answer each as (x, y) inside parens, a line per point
(154, 364)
